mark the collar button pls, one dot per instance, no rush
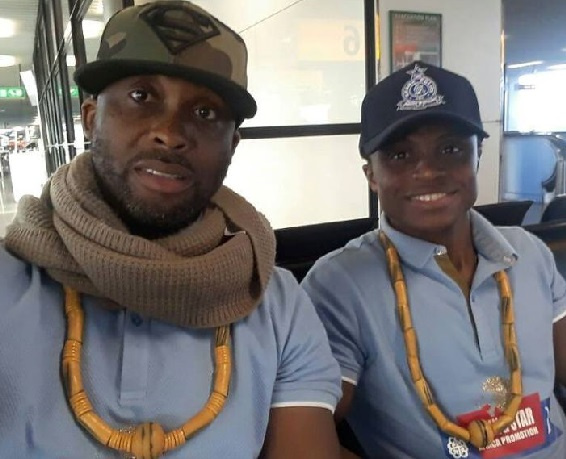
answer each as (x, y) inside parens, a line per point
(440, 251)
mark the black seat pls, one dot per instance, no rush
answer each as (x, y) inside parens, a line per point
(549, 185)
(553, 233)
(348, 439)
(299, 247)
(556, 210)
(505, 213)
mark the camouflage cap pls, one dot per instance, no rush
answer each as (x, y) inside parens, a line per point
(173, 38)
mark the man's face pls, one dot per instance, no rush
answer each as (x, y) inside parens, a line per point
(161, 148)
(426, 180)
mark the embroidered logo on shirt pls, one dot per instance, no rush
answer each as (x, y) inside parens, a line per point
(420, 92)
(458, 449)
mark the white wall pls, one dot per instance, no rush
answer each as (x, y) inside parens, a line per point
(306, 66)
(471, 46)
(303, 180)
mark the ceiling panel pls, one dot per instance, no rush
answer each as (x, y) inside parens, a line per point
(24, 13)
(534, 30)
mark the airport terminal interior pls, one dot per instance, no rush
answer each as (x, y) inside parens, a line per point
(310, 66)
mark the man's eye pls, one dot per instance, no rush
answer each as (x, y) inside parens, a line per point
(398, 155)
(206, 113)
(139, 95)
(451, 150)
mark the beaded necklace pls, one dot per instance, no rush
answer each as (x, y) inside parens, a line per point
(479, 433)
(147, 440)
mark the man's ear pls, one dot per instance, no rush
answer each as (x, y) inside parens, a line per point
(369, 171)
(88, 114)
(235, 140)
(480, 151)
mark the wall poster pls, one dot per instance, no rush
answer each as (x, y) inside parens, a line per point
(415, 36)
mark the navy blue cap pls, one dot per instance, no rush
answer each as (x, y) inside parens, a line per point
(413, 94)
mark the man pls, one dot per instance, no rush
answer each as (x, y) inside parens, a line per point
(442, 324)
(141, 312)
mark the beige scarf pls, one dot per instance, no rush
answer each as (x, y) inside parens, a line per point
(212, 273)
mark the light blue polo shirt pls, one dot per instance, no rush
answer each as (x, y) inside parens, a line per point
(137, 370)
(352, 292)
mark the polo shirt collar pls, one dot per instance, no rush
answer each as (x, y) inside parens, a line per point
(489, 243)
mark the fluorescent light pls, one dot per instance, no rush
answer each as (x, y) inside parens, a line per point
(7, 61)
(92, 28)
(524, 64)
(557, 67)
(31, 87)
(7, 28)
(71, 60)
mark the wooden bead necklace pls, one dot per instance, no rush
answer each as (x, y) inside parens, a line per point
(479, 433)
(148, 440)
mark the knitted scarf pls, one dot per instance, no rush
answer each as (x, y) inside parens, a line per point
(212, 273)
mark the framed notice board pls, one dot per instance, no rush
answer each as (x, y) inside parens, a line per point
(415, 36)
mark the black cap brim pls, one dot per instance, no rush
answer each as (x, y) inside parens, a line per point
(409, 121)
(95, 76)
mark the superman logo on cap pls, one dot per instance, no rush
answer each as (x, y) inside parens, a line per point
(179, 27)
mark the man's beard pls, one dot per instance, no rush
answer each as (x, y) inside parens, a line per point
(142, 218)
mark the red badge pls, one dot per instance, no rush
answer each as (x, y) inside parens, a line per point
(525, 433)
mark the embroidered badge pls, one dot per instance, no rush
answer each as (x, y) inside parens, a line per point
(457, 448)
(178, 27)
(420, 92)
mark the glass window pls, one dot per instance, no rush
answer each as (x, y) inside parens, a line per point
(300, 181)
(43, 59)
(304, 67)
(66, 24)
(52, 39)
(93, 23)
(75, 102)
(536, 101)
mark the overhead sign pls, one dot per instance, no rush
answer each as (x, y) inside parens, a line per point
(18, 92)
(12, 92)
(73, 91)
